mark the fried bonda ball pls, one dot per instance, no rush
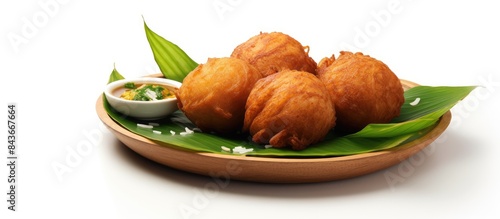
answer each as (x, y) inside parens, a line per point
(363, 89)
(213, 95)
(289, 109)
(275, 51)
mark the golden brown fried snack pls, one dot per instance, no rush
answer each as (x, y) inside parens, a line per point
(273, 52)
(363, 89)
(213, 95)
(289, 108)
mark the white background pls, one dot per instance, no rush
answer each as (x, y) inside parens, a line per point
(56, 57)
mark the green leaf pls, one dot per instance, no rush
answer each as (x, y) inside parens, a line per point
(433, 103)
(174, 63)
(438, 97)
(114, 76)
(332, 145)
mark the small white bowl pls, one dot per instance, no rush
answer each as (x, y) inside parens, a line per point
(146, 110)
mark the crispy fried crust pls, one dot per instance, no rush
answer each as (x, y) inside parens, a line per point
(273, 52)
(213, 95)
(289, 109)
(363, 89)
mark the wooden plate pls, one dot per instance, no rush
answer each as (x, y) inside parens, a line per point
(271, 170)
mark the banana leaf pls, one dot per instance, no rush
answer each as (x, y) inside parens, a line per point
(115, 75)
(173, 62)
(435, 101)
